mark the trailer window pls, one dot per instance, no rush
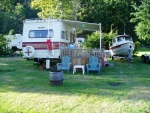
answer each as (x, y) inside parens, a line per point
(114, 40)
(67, 35)
(63, 34)
(120, 39)
(40, 34)
(79, 41)
(128, 38)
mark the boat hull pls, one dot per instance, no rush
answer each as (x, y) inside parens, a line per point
(121, 49)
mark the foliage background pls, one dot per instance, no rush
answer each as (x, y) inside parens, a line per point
(124, 16)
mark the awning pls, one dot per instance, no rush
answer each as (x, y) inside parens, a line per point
(82, 25)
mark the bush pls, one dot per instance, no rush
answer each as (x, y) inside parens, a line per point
(107, 39)
(93, 40)
(3, 46)
(137, 46)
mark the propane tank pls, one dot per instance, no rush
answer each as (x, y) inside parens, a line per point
(48, 63)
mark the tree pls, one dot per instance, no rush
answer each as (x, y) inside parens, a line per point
(48, 8)
(2, 45)
(142, 18)
(65, 9)
(19, 16)
(12, 14)
(6, 5)
(109, 12)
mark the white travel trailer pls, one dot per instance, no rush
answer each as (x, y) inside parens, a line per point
(36, 34)
(14, 42)
(44, 38)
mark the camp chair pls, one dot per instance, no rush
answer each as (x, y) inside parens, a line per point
(93, 65)
(65, 64)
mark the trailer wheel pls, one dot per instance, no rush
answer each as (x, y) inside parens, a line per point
(14, 48)
(143, 58)
(147, 59)
(39, 60)
(112, 57)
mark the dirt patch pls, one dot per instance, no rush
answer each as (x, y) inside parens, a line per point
(115, 83)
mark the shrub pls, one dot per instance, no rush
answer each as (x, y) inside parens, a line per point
(137, 46)
(3, 46)
(93, 40)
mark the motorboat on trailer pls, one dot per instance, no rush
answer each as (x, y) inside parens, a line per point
(120, 46)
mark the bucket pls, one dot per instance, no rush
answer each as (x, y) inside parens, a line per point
(56, 77)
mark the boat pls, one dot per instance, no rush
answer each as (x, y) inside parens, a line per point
(120, 46)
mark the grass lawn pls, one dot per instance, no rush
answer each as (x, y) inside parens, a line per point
(25, 88)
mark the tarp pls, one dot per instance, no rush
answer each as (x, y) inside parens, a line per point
(82, 25)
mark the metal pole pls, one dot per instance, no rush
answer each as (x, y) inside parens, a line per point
(48, 28)
(100, 32)
(53, 38)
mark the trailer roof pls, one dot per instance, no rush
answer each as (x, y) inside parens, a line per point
(73, 24)
(82, 25)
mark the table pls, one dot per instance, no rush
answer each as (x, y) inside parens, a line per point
(79, 66)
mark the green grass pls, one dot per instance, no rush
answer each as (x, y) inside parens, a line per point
(143, 50)
(24, 87)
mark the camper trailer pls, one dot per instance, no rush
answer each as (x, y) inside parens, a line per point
(14, 42)
(43, 38)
